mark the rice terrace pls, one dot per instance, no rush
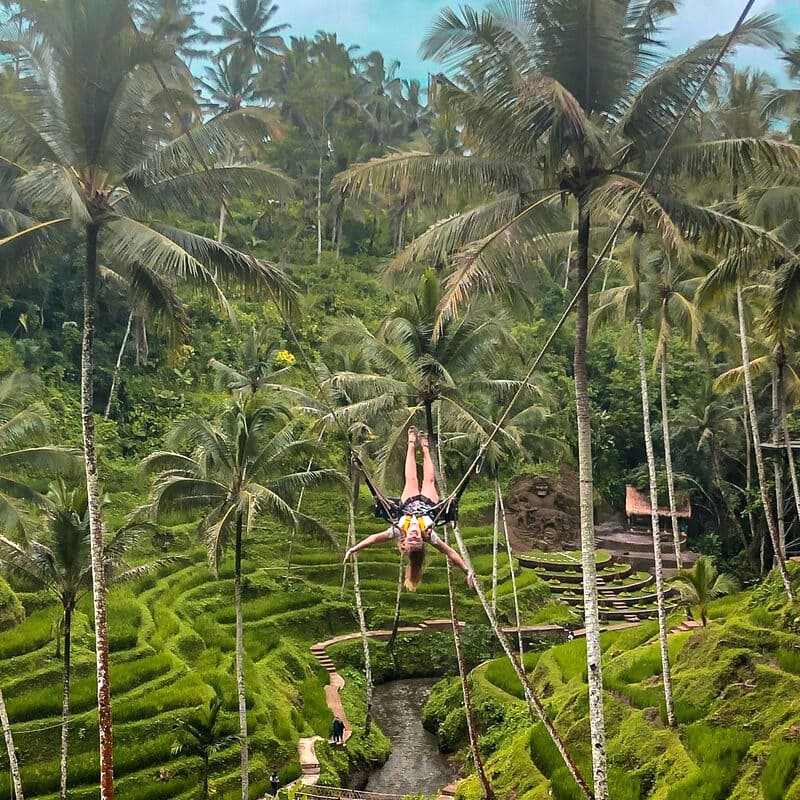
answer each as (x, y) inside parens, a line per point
(399, 400)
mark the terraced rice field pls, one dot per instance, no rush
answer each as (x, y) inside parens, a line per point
(624, 595)
(172, 642)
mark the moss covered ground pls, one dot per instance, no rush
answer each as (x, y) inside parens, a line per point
(172, 639)
(737, 696)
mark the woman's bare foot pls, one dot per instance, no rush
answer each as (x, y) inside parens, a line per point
(412, 435)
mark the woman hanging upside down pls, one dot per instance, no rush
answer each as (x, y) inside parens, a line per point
(415, 527)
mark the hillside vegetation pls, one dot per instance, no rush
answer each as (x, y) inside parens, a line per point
(736, 684)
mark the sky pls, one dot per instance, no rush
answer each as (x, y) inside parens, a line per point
(396, 27)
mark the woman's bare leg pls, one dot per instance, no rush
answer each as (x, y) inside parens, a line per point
(411, 488)
(428, 471)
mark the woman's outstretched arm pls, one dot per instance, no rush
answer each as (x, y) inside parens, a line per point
(383, 536)
(445, 548)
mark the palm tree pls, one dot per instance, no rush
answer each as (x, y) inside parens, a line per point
(63, 567)
(664, 292)
(230, 474)
(729, 277)
(16, 779)
(87, 115)
(699, 586)
(414, 365)
(260, 358)
(23, 428)
(579, 88)
(245, 26)
(204, 734)
(711, 424)
(630, 299)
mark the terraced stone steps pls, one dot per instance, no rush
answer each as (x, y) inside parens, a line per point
(623, 595)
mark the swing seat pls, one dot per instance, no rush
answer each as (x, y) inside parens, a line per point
(394, 512)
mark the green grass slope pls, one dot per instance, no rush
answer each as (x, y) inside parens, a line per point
(737, 695)
(172, 640)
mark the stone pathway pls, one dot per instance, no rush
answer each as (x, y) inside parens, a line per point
(687, 625)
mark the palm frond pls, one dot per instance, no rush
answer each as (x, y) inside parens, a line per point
(734, 378)
(483, 266)
(225, 133)
(656, 105)
(190, 191)
(25, 247)
(433, 176)
(49, 461)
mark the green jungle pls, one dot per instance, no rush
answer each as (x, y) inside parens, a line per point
(238, 266)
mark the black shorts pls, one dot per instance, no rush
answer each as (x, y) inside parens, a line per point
(417, 506)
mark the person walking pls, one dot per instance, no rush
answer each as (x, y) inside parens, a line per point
(274, 782)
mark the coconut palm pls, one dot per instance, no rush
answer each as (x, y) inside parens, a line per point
(578, 88)
(700, 585)
(710, 423)
(230, 474)
(61, 565)
(730, 277)
(23, 429)
(260, 357)
(86, 126)
(414, 367)
(16, 779)
(203, 734)
(664, 292)
(620, 303)
(246, 26)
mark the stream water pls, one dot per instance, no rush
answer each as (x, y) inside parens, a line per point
(415, 765)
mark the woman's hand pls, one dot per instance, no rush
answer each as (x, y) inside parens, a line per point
(471, 580)
(347, 556)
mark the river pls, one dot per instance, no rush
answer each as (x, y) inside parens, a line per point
(415, 765)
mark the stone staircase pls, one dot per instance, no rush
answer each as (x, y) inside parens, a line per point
(635, 547)
(624, 595)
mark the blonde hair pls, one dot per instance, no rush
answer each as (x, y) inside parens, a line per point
(414, 568)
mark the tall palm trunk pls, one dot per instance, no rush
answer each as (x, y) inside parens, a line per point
(237, 590)
(205, 777)
(362, 623)
(16, 780)
(65, 698)
(673, 514)
(462, 673)
(597, 725)
(319, 210)
(759, 456)
(777, 463)
(751, 518)
(656, 528)
(112, 394)
(495, 537)
(96, 519)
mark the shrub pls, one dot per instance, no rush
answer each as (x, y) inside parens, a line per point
(11, 610)
(789, 660)
(779, 769)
